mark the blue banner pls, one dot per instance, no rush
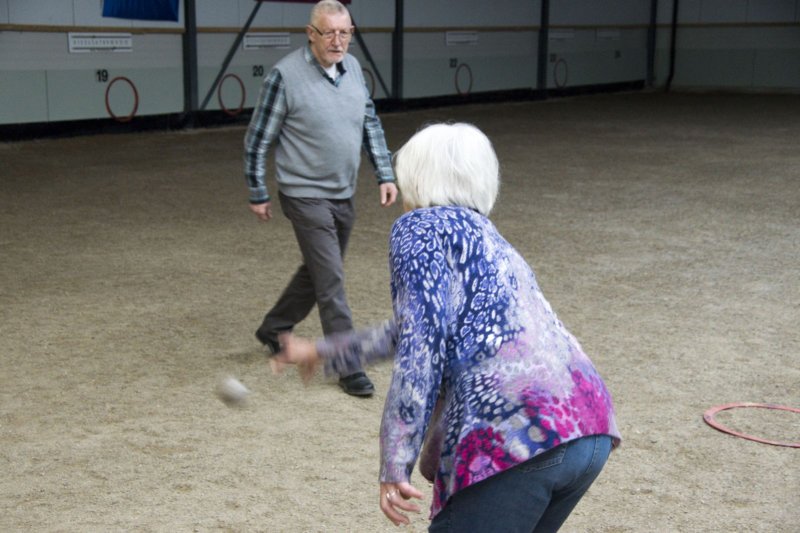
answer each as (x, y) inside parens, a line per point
(142, 9)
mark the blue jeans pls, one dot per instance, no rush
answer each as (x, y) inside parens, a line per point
(535, 496)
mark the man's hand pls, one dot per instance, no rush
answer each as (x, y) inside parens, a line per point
(388, 193)
(262, 211)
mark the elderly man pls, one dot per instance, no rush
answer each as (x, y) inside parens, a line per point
(314, 108)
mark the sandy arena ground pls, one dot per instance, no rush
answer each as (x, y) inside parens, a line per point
(664, 229)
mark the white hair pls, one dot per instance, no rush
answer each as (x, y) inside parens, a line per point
(448, 164)
(326, 7)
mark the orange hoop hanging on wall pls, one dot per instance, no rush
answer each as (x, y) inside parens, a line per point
(135, 100)
(708, 417)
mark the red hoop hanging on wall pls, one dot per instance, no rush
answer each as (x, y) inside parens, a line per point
(458, 85)
(135, 99)
(227, 110)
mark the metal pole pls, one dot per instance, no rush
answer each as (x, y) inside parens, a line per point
(544, 35)
(397, 51)
(189, 62)
(651, 43)
(672, 44)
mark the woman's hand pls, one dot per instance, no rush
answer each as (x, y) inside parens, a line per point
(297, 351)
(394, 497)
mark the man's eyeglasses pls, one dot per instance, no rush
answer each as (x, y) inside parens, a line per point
(330, 35)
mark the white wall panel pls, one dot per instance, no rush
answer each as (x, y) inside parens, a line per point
(770, 69)
(160, 90)
(432, 13)
(23, 96)
(219, 13)
(373, 13)
(452, 13)
(722, 11)
(606, 12)
(36, 51)
(737, 57)
(4, 12)
(689, 12)
(596, 67)
(771, 10)
(587, 59)
(296, 15)
(732, 38)
(731, 11)
(664, 12)
(53, 84)
(50, 51)
(74, 94)
(90, 13)
(213, 47)
(53, 12)
(500, 61)
(269, 14)
(714, 68)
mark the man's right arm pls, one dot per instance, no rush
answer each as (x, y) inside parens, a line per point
(265, 125)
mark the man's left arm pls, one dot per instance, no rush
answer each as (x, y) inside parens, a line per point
(379, 155)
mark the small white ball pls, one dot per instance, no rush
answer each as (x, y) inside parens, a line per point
(232, 391)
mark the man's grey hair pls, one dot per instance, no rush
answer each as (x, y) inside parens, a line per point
(326, 7)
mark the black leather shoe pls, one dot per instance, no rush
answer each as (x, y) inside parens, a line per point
(357, 384)
(271, 343)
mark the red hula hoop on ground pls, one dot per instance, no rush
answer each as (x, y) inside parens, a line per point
(708, 417)
(219, 95)
(135, 99)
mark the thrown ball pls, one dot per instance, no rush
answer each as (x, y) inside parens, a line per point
(232, 391)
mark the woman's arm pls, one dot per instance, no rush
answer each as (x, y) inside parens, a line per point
(345, 353)
(341, 353)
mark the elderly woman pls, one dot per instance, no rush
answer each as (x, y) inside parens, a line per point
(515, 420)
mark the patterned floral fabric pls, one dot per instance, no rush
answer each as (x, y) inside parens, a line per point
(482, 364)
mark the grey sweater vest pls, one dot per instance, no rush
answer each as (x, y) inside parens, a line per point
(319, 148)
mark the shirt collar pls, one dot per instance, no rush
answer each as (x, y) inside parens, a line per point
(311, 60)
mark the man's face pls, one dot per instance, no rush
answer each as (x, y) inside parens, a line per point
(330, 51)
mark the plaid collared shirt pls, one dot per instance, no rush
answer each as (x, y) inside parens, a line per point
(267, 120)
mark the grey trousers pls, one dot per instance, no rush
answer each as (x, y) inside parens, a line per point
(322, 228)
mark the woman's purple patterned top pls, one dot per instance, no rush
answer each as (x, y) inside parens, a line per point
(482, 365)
